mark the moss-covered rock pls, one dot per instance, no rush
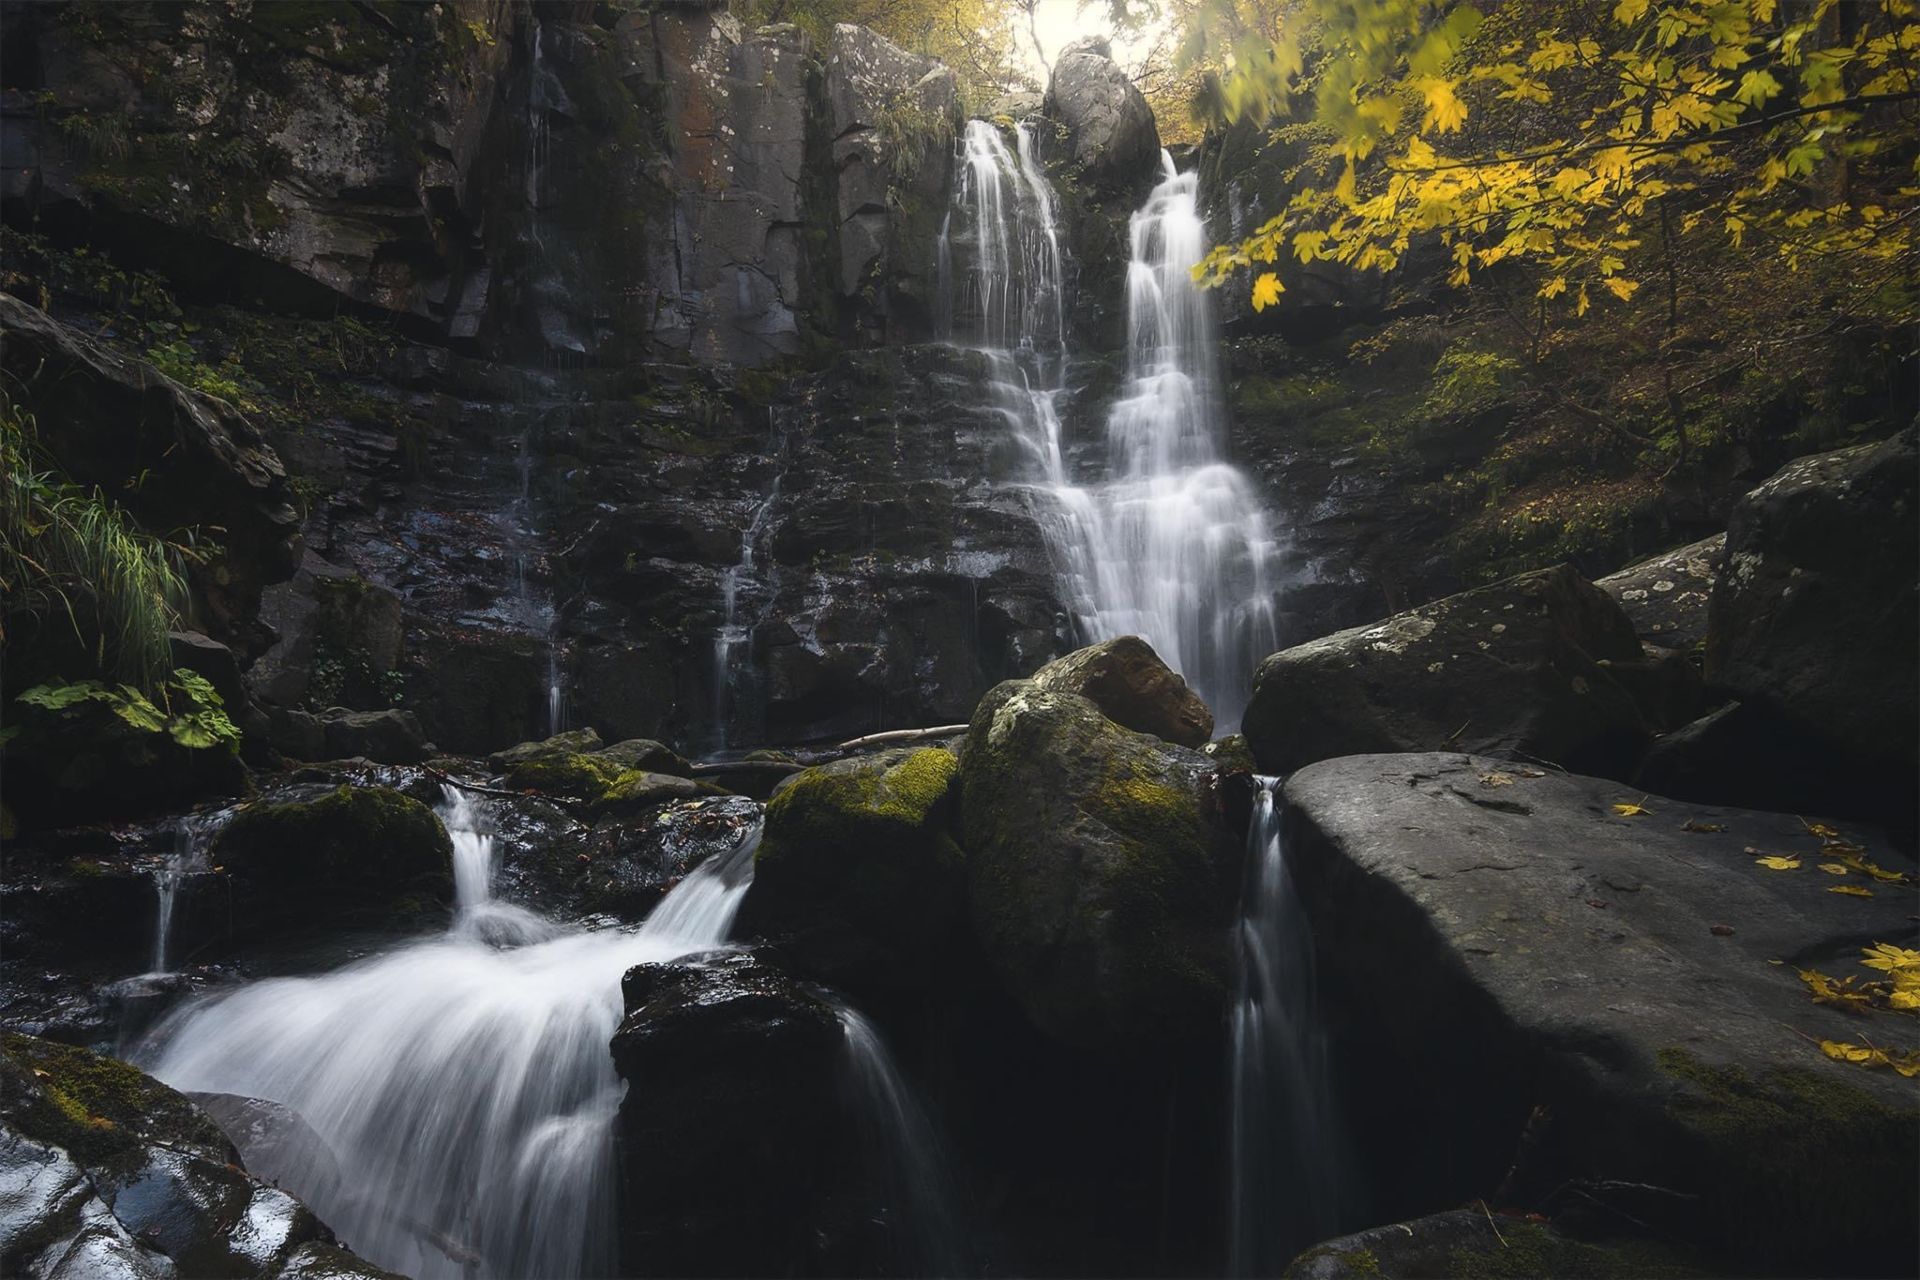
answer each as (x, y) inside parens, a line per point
(1100, 879)
(858, 872)
(572, 742)
(573, 774)
(1126, 679)
(1470, 1244)
(353, 854)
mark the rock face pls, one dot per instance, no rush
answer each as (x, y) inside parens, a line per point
(1814, 618)
(338, 855)
(1494, 941)
(1544, 665)
(1667, 595)
(733, 1077)
(1125, 678)
(1100, 880)
(891, 115)
(858, 873)
(1473, 1242)
(1110, 129)
(106, 1174)
(173, 458)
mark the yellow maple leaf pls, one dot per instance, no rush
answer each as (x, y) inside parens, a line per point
(1833, 868)
(1775, 862)
(1622, 289)
(1842, 1052)
(1851, 890)
(1708, 828)
(1629, 11)
(1445, 111)
(1266, 290)
(1891, 959)
(1627, 810)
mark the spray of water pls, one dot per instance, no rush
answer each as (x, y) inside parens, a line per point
(462, 1084)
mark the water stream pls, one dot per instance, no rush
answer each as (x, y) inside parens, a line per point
(461, 1084)
(1288, 1177)
(189, 857)
(1162, 537)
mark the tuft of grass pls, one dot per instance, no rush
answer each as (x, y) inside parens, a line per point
(68, 552)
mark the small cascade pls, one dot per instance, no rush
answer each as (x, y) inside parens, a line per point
(1288, 1167)
(533, 602)
(1167, 540)
(730, 689)
(461, 1084)
(919, 1196)
(189, 856)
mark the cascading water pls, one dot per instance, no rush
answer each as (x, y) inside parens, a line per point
(1169, 542)
(736, 631)
(918, 1194)
(1288, 1176)
(189, 856)
(462, 1087)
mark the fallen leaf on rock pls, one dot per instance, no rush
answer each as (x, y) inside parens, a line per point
(1496, 780)
(1833, 868)
(1907, 1062)
(1851, 890)
(1626, 810)
(1776, 863)
(1595, 902)
(1722, 931)
(1820, 829)
(1531, 773)
(1708, 827)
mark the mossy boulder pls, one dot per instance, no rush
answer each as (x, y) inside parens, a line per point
(108, 1172)
(572, 742)
(645, 753)
(1471, 1244)
(364, 855)
(576, 775)
(1126, 679)
(1101, 879)
(858, 873)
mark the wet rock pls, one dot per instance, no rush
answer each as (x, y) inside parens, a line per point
(891, 115)
(1667, 595)
(1111, 133)
(572, 742)
(171, 457)
(273, 1141)
(1127, 680)
(392, 736)
(637, 789)
(105, 1172)
(1474, 1242)
(626, 863)
(734, 1074)
(1814, 622)
(858, 875)
(318, 855)
(1542, 666)
(1494, 940)
(645, 753)
(1100, 882)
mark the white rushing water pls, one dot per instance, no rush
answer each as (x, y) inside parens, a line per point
(462, 1084)
(1288, 1178)
(916, 1191)
(189, 856)
(1165, 539)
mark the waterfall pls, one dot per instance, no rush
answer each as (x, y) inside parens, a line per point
(535, 606)
(918, 1194)
(1167, 541)
(1287, 1175)
(189, 856)
(735, 631)
(461, 1084)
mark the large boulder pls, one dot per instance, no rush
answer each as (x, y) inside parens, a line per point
(1506, 951)
(1125, 678)
(858, 874)
(1542, 666)
(1110, 130)
(173, 458)
(1815, 623)
(106, 1173)
(1471, 1242)
(315, 854)
(891, 115)
(734, 1078)
(392, 736)
(1100, 877)
(1667, 595)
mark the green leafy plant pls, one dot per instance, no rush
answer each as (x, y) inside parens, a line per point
(68, 552)
(185, 707)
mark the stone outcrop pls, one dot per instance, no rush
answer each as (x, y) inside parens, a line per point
(1497, 942)
(1100, 876)
(1125, 678)
(1815, 620)
(173, 458)
(106, 1174)
(1542, 666)
(1110, 130)
(1667, 595)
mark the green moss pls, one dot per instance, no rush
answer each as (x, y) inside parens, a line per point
(95, 1106)
(1796, 1160)
(578, 775)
